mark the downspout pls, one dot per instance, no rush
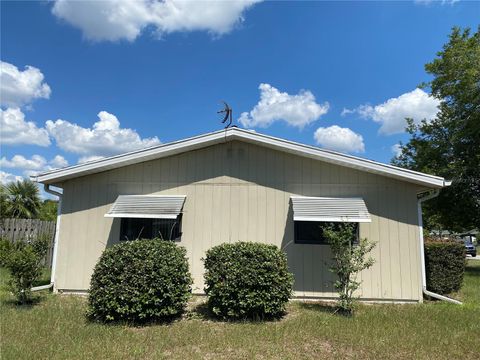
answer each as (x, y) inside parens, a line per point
(420, 200)
(47, 189)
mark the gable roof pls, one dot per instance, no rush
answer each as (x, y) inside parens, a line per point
(234, 133)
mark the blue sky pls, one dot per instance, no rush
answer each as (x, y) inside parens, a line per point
(341, 75)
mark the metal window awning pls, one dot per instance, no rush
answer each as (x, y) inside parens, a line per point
(307, 208)
(147, 206)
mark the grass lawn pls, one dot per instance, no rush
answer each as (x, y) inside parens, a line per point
(56, 328)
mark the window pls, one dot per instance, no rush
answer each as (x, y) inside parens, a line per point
(311, 232)
(139, 228)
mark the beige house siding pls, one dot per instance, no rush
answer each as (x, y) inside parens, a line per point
(241, 192)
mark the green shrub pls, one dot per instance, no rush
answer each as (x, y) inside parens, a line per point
(41, 245)
(24, 270)
(140, 281)
(445, 265)
(247, 280)
(5, 250)
(24, 261)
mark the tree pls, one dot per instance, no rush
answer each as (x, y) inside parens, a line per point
(48, 210)
(449, 146)
(3, 201)
(22, 200)
(348, 259)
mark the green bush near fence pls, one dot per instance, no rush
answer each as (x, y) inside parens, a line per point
(444, 265)
(247, 280)
(139, 281)
(24, 261)
(5, 249)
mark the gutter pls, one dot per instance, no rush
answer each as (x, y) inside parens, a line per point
(47, 189)
(234, 133)
(420, 200)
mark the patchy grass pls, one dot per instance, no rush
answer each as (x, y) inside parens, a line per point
(56, 328)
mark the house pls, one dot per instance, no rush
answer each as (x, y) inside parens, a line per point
(239, 185)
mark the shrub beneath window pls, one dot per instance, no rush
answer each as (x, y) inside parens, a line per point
(444, 265)
(139, 281)
(247, 280)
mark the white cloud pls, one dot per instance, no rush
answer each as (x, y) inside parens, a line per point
(6, 177)
(296, 110)
(396, 150)
(15, 130)
(416, 104)
(58, 161)
(347, 112)
(105, 138)
(441, 2)
(339, 139)
(125, 19)
(18, 88)
(35, 164)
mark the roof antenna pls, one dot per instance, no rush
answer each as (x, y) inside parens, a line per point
(227, 110)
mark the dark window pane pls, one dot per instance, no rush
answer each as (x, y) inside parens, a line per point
(311, 232)
(132, 228)
(166, 229)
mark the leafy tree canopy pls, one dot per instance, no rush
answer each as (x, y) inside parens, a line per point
(449, 146)
(20, 199)
(48, 210)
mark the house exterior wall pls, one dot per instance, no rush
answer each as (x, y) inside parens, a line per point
(241, 192)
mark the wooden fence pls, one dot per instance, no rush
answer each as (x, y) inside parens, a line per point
(27, 229)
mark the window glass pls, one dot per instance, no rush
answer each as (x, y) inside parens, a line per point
(133, 228)
(167, 229)
(311, 232)
(139, 228)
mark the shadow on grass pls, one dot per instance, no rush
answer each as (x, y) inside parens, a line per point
(135, 324)
(7, 298)
(15, 304)
(472, 270)
(202, 312)
(326, 308)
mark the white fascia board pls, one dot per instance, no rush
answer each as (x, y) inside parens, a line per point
(331, 219)
(197, 142)
(325, 197)
(154, 196)
(343, 159)
(117, 161)
(142, 216)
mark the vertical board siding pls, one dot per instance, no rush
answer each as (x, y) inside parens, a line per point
(241, 192)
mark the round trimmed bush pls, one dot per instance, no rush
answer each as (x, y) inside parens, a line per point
(444, 265)
(247, 280)
(139, 281)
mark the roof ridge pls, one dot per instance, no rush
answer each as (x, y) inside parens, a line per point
(232, 133)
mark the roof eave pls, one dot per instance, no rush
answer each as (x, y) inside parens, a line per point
(345, 160)
(117, 161)
(193, 143)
